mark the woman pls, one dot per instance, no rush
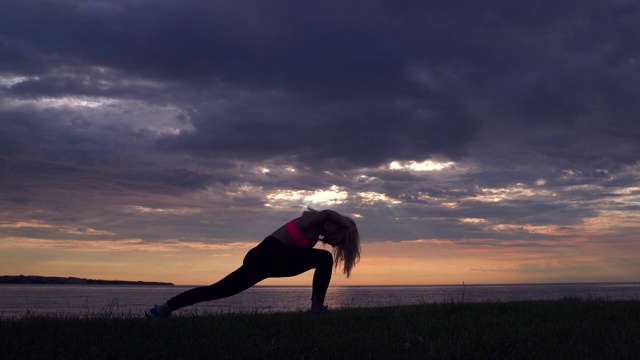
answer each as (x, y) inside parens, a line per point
(288, 251)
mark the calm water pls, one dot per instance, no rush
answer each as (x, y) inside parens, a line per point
(18, 300)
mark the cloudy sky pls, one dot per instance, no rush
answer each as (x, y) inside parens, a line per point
(472, 141)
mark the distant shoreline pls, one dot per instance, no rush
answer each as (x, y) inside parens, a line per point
(55, 280)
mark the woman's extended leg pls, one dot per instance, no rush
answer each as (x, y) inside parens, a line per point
(250, 273)
(234, 283)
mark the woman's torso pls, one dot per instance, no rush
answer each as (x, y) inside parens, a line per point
(311, 233)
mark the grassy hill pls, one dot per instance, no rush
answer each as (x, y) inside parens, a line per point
(564, 329)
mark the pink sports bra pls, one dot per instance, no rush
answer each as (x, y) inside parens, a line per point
(299, 240)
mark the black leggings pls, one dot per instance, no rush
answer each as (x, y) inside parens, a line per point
(271, 258)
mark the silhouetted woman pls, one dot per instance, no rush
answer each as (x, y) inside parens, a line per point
(288, 251)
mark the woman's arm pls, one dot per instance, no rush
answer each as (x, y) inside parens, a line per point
(318, 218)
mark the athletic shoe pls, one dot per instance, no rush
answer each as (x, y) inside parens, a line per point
(323, 312)
(156, 313)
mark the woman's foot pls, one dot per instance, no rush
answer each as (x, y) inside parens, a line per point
(316, 305)
(324, 311)
(157, 313)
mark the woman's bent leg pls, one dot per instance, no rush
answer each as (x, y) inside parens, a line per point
(322, 275)
(295, 262)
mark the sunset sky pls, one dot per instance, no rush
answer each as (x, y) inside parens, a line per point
(472, 141)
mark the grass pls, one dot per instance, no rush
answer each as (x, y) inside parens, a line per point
(563, 329)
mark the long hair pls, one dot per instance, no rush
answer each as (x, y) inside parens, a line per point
(348, 251)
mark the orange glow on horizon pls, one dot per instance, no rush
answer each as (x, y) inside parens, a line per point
(419, 262)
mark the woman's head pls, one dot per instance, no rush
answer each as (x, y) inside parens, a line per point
(344, 237)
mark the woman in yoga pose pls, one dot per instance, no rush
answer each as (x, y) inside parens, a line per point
(288, 251)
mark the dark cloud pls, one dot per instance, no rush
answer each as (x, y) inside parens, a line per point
(173, 104)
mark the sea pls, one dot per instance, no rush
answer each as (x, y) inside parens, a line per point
(131, 300)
